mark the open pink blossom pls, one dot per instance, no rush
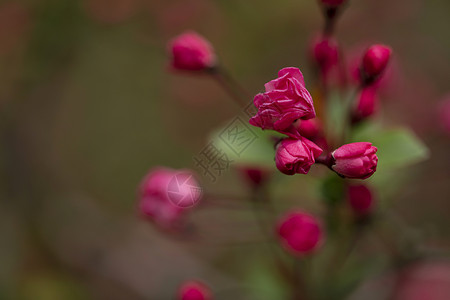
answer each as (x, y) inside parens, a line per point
(355, 160)
(299, 232)
(190, 51)
(360, 199)
(194, 290)
(296, 155)
(286, 99)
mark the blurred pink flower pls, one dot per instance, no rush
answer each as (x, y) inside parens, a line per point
(309, 129)
(325, 53)
(312, 129)
(375, 61)
(300, 233)
(164, 194)
(367, 103)
(286, 99)
(296, 156)
(194, 290)
(190, 51)
(360, 199)
(355, 160)
(255, 176)
(392, 83)
(444, 115)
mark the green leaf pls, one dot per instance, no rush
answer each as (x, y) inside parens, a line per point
(336, 114)
(245, 144)
(264, 281)
(332, 190)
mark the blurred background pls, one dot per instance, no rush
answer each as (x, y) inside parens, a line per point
(88, 106)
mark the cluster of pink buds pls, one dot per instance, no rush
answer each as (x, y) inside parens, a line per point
(373, 66)
(287, 107)
(287, 100)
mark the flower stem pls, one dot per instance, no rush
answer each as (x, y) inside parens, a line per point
(231, 86)
(348, 108)
(261, 201)
(326, 160)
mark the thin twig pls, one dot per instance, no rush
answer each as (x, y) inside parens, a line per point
(231, 86)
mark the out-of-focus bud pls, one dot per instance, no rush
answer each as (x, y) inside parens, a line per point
(374, 63)
(444, 115)
(190, 51)
(194, 290)
(296, 155)
(428, 280)
(310, 129)
(366, 105)
(255, 176)
(360, 199)
(165, 194)
(325, 53)
(299, 232)
(332, 2)
(355, 160)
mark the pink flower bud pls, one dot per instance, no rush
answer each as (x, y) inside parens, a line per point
(296, 155)
(300, 233)
(164, 195)
(375, 61)
(367, 104)
(194, 290)
(310, 129)
(286, 99)
(360, 199)
(325, 53)
(190, 51)
(355, 160)
(332, 2)
(254, 175)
